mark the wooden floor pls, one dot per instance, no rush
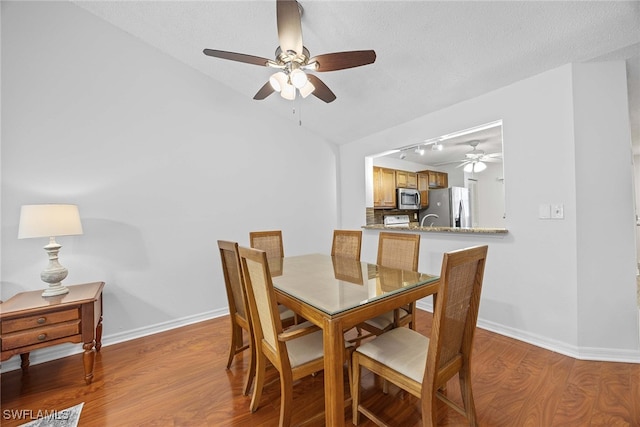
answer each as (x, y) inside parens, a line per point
(178, 378)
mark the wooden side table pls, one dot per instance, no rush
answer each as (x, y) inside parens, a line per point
(29, 321)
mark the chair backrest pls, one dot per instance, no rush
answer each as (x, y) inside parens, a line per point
(455, 314)
(347, 243)
(262, 300)
(399, 250)
(238, 304)
(268, 241)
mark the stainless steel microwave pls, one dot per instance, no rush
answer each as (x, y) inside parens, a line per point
(408, 198)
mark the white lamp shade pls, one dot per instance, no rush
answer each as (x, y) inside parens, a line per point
(49, 221)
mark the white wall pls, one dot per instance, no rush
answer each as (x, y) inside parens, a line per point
(536, 283)
(606, 255)
(636, 168)
(161, 160)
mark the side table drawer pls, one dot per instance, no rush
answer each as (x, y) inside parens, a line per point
(39, 335)
(38, 321)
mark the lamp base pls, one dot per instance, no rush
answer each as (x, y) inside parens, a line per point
(55, 289)
(54, 274)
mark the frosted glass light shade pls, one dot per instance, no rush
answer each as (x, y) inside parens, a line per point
(480, 166)
(307, 89)
(49, 221)
(278, 80)
(475, 167)
(288, 92)
(298, 78)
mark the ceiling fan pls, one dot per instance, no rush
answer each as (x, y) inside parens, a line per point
(292, 59)
(475, 160)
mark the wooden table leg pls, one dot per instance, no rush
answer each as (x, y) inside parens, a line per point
(99, 335)
(333, 375)
(24, 357)
(88, 358)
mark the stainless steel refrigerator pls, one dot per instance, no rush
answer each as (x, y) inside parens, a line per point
(452, 207)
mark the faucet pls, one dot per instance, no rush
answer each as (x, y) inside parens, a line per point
(427, 216)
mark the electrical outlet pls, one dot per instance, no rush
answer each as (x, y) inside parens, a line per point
(557, 211)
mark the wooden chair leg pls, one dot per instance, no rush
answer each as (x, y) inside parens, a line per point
(412, 322)
(234, 344)
(350, 376)
(251, 373)
(467, 395)
(261, 363)
(355, 389)
(429, 408)
(286, 398)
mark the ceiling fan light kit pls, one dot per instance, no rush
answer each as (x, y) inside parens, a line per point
(293, 59)
(475, 166)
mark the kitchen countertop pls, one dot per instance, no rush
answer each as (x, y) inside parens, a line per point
(415, 227)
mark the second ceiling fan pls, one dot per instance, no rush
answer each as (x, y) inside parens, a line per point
(294, 62)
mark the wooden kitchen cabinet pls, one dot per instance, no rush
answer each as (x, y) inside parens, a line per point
(423, 188)
(437, 179)
(384, 187)
(405, 179)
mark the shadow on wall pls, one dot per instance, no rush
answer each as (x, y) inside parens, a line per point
(104, 247)
(114, 242)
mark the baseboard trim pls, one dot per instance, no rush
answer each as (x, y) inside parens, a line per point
(64, 350)
(581, 353)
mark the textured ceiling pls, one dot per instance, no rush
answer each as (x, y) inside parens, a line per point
(429, 54)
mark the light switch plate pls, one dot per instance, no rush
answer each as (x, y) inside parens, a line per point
(557, 211)
(544, 211)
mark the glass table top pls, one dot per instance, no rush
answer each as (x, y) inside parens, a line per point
(335, 284)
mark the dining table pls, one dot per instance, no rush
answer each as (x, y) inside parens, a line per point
(336, 294)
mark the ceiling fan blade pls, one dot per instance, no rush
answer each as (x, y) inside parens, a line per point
(452, 162)
(342, 60)
(289, 26)
(463, 164)
(264, 91)
(240, 57)
(321, 90)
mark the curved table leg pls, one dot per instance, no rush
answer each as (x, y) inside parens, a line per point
(88, 358)
(99, 335)
(24, 357)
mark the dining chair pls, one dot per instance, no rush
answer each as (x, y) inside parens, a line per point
(420, 365)
(395, 250)
(268, 241)
(239, 309)
(296, 352)
(271, 243)
(347, 243)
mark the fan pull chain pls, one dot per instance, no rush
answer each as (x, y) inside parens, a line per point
(297, 101)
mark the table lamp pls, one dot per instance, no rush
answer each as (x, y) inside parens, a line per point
(50, 221)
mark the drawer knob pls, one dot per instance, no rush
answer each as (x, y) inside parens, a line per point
(41, 337)
(41, 320)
